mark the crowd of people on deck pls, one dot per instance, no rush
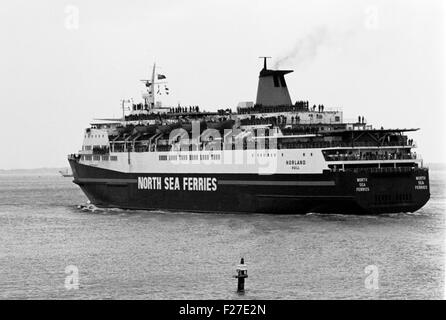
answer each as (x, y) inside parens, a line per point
(387, 155)
(258, 108)
(189, 109)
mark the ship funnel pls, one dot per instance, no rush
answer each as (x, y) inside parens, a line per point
(272, 89)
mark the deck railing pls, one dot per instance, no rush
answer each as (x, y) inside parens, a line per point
(368, 157)
(269, 143)
(380, 170)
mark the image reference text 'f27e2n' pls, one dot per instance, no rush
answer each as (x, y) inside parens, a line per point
(271, 156)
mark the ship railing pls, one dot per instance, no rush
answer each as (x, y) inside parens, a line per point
(293, 121)
(331, 144)
(314, 121)
(299, 106)
(371, 157)
(379, 170)
(120, 146)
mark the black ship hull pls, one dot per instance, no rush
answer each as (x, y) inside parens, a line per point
(392, 190)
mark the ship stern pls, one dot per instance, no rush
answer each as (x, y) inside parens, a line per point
(392, 190)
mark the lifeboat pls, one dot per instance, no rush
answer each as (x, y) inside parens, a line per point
(188, 126)
(168, 127)
(222, 125)
(142, 129)
(124, 130)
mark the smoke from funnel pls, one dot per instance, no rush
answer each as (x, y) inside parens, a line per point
(305, 49)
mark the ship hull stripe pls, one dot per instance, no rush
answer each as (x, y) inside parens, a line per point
(221, 182)
(303, 196)
(106, 180)
(276, 183)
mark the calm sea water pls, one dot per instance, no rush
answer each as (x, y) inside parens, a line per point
(123, 254)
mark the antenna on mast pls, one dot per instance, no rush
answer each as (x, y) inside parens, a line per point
(153, 85)
(150, 99)
(264, 61)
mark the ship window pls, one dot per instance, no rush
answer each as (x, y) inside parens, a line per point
(337, 118)
(96, 158)
(113, 158)
(104, 158)
(88, 158)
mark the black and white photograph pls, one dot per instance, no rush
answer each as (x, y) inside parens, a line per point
(222, 154)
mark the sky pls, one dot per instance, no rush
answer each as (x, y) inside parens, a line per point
(63, 63)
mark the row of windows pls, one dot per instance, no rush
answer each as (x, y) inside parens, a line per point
(265, 155)
(94, 147)
(94, 136)
(183, 157)
(212, 156)
(98, 158)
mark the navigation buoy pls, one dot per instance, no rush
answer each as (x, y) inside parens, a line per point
(242, 273)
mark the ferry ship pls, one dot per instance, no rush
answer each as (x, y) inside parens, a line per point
(272, 156)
